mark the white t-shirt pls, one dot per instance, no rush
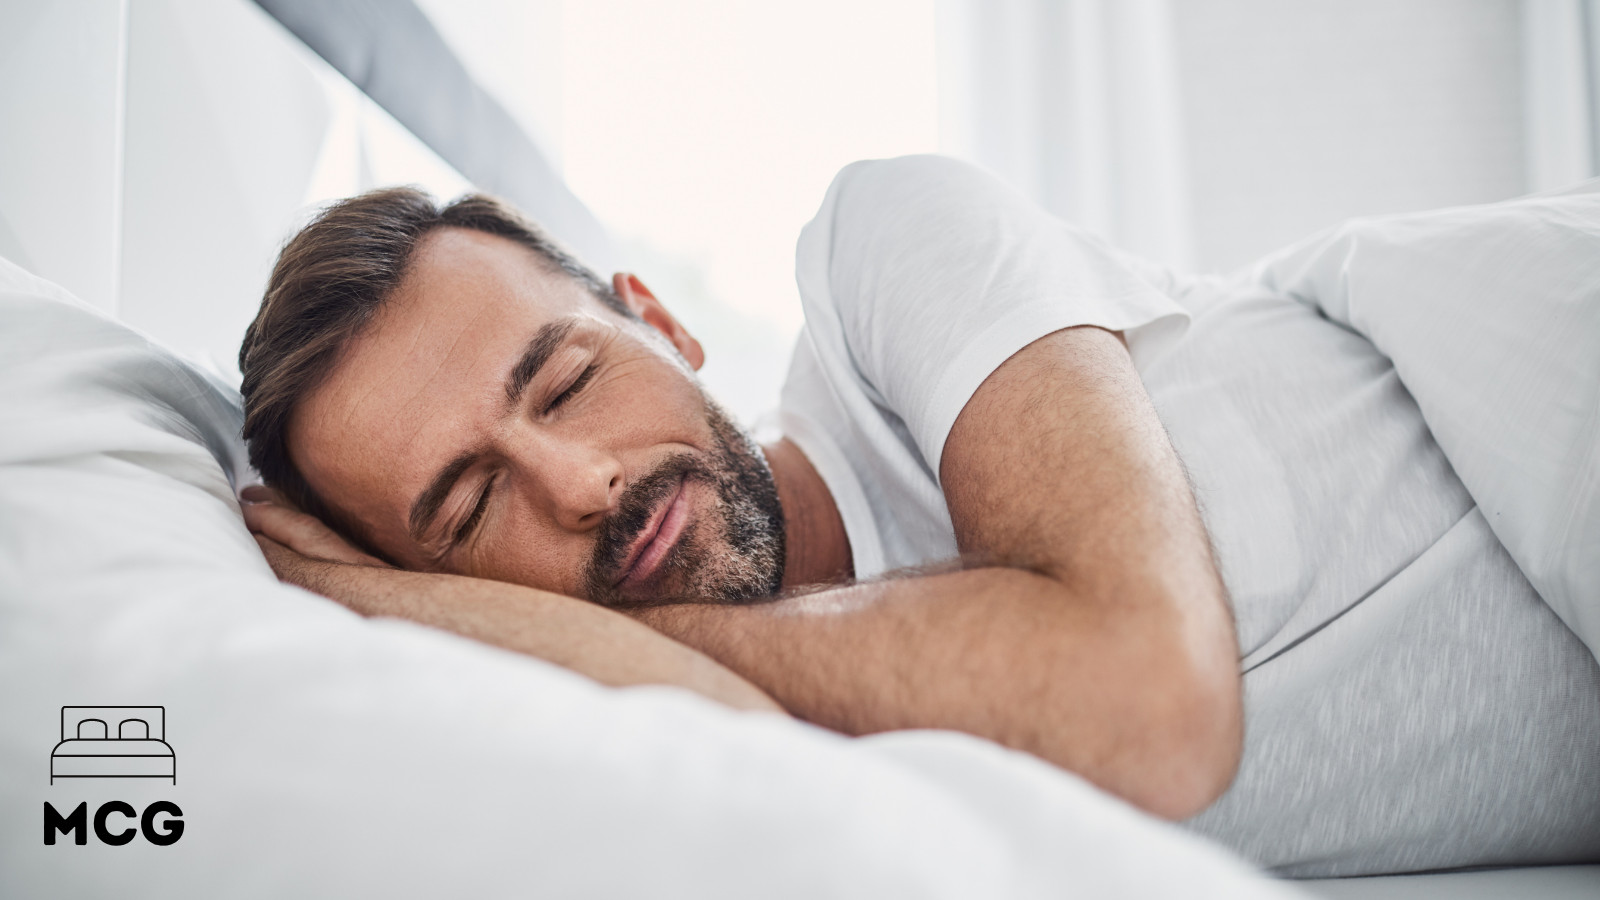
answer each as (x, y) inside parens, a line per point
(1395, 658)
(919, 277)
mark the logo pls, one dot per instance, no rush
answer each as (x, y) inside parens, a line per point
(114, 742)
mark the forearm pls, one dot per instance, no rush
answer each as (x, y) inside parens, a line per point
(604, 645)
(1136, 696)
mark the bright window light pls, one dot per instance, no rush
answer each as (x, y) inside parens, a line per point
(704, 133)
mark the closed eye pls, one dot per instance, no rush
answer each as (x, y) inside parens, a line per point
(467, 527)
(463, 532)
(572, 389)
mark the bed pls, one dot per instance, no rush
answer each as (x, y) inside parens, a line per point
(328, 755)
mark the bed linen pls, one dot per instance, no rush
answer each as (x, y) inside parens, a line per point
(328, 755)
(1403, 395)
(1491, 316)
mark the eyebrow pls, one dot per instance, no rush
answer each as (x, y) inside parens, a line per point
(538, 351)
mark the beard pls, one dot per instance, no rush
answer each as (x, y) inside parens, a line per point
(735, 561)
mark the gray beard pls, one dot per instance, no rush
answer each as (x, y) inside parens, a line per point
(753, 527)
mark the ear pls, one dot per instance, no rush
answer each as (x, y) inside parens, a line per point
(644, 304)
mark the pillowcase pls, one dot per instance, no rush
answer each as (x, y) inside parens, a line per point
(1491, 315)
(322, 754)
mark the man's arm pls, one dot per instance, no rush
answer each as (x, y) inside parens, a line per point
(1099, 636)
(594, 641)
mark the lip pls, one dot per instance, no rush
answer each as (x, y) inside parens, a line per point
(657, 538)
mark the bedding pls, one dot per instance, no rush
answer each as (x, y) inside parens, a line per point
(329, 755)
(1447, 712)
(1491, 315)
(1369, 418)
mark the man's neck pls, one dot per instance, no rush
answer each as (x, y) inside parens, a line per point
(818, 550)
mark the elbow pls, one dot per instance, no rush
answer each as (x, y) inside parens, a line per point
(1171, 747)
(1173, 765)
(1195, 744)
(1202, 759)
(1196, 724)
(1178, 722)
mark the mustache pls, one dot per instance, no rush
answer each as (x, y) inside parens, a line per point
(638, 503)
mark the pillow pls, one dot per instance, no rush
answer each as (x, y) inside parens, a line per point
(1491, 315)
(321, 754)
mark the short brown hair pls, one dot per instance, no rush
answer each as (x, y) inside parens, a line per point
(329, 280)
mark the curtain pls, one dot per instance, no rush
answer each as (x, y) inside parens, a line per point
(1075, 103)
(1110, 112)
(1561, 56)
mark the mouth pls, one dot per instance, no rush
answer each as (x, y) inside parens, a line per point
(656, 540)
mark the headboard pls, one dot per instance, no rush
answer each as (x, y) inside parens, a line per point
(156, 154)
(154, 717)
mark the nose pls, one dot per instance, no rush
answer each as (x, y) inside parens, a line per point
(575, 481)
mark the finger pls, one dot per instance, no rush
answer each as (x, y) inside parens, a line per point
(297, 531)
(260, 493)
(306, 535)
(282, 524)
(259, 517)
(257, 493)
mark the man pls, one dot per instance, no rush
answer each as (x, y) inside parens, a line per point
(974, 520)
(484, 408)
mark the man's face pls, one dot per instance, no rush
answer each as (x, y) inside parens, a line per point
(495, 419)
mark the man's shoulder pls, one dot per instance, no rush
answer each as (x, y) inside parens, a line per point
(917, 184)
(887, 220)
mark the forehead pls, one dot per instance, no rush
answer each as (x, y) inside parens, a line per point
(426, 374)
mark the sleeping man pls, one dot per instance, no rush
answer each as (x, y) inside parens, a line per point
(975, 516)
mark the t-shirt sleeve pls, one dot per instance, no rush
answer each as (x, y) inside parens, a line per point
(924, 274)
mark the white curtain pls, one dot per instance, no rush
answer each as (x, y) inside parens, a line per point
(1295, 115)
(1561, 55)
(1075, 103)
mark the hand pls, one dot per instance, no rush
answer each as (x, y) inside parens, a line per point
(281, 530)
(594, 641)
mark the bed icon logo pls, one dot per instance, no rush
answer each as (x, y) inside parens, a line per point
(113, 742)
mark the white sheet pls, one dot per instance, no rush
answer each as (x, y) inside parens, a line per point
(321, 754)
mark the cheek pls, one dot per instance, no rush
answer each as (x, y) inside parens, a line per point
(647, 409)
(654, 404)
(517, 547)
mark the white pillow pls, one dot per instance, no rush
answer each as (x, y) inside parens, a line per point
(1491, 315)
(321, 754)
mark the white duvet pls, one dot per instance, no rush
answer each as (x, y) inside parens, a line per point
(321, 754)
(1491, 315)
